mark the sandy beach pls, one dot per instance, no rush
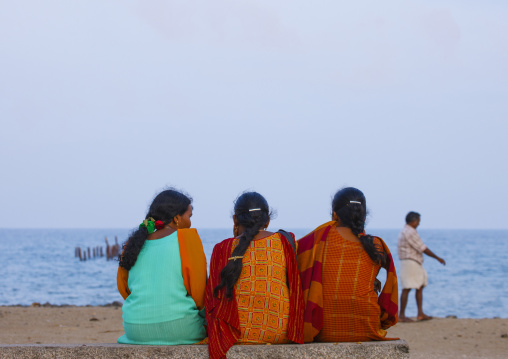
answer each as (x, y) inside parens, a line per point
(437, 338)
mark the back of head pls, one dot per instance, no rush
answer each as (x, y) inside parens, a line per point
(350, 205)
(253, 214)
(251, 211)
(165, 206)
(412, 216)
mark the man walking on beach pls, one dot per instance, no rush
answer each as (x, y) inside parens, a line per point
(412, 275)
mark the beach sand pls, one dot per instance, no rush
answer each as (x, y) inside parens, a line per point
(437, 338)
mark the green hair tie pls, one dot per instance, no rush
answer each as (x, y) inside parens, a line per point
(149, 224)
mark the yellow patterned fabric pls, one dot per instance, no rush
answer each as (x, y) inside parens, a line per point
(262, 293)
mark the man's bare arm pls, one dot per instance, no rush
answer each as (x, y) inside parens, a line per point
(431, 254)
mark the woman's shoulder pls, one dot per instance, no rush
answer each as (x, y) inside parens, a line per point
(281, 233)
(188, 237)
(319, 232)
(188, 231)
(221, 249)
(379, 243)
(224, 242)
(377, 240)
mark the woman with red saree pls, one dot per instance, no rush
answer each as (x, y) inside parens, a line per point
(338, 267)
(254, 293)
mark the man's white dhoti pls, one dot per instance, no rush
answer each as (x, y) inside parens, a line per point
(412, 275)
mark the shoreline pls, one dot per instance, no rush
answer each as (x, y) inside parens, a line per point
(67, 324)
(119, 304)
(49, 305)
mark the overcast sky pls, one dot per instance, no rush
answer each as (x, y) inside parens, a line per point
(103, 103)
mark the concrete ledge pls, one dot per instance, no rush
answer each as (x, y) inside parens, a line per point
(389, 349)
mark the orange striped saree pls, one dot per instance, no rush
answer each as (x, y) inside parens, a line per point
(338, 287)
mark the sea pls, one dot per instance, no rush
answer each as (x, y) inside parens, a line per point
(39, 266)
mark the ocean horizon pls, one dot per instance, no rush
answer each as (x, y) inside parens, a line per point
(39, 265)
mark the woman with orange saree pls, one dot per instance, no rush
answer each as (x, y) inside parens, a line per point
(162, 276)
(338, 265)
(254, 293)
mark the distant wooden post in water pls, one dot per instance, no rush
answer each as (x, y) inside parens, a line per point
(115, 249)
(98, 251)
(108, 250)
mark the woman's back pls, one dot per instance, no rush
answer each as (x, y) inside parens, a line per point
(350, 308)
(162, 276)
(262, 292)
(338, 265)
(254, 293)
(158, 310)
(157, 290)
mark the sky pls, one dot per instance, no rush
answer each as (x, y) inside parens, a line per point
(105, 103)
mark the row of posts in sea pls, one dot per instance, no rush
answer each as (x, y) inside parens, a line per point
(94, 252)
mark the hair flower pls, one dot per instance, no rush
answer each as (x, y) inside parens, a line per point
(159, 225)
(148, 224)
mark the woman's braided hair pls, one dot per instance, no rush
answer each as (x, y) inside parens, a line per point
(165, 206)
(353, 216)
(253, 222)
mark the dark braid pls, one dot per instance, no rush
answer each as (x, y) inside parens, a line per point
(164, 207)
(253, 222)
(353, 216)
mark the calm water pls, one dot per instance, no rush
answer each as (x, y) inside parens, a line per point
(39, 266)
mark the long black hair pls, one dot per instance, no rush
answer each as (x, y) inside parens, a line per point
(165, 206)
(253, 222)
(353, 215)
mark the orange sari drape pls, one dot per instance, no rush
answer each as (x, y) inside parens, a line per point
(311, 261)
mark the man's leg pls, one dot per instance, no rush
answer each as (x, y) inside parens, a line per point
(419, 303)
(403, 303)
